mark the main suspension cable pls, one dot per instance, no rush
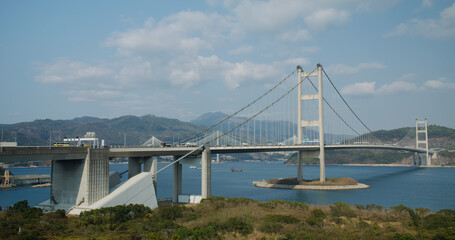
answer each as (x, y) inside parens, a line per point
(352, 111)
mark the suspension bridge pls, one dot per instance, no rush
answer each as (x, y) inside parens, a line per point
(307, 116)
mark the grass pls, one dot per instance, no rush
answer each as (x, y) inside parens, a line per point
(329, 182)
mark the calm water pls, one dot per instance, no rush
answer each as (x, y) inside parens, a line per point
(432, 188)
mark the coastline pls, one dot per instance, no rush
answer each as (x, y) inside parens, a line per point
(377, 165)
(265, 184)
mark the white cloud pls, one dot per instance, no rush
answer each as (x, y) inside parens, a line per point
(66, 71)
(439, 84)
(310, 49)
(369, 88)
(183, 32)
(321, 19)
(268, 16)
(93, 95)
(299, 36)
(247, 71)
(344, 69)
(397, 87)
(442, 27)
(241, 50)
(362, 88)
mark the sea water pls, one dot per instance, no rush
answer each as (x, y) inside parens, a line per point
(432, 188)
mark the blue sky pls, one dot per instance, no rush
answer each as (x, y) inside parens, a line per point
(393, 60)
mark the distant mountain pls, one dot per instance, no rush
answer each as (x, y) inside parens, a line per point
(210, 118)
(136, 129)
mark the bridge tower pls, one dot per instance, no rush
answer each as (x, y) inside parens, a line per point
(310, 123)
(422, 130)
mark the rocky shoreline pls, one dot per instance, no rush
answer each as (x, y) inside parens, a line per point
(265, 184)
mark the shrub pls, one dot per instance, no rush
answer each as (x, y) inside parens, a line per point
(233, 224)
(316, 218)
(195, 233)
(270, 227)
(281, 218)
(113, 215)
(400, 210)
(276, 203)
(402, 236)
(341, 209)
(171, 212)
(374, 206)
(442, 219)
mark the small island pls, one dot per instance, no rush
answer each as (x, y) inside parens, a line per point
(343, 183)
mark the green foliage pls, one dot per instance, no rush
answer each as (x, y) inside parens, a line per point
(374, 206)
(341, 209)
(23, 208)
(287, 220)
(283, 203)
(442, 219)
(270, 227)
(400, 210)
(402, 236)
(171, 212)
(195, 233)
(114, 215)
(233, 224)
(316, 218)
(281, 218)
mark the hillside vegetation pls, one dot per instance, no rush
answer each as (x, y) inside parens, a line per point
(137, 130)
(231, 218)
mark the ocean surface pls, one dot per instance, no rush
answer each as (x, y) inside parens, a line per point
(432, 188)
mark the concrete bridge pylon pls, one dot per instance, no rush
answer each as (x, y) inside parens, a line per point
(422, 133)
(310, 123)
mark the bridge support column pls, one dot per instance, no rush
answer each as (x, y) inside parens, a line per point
(177, 181)
(312, 123)
(206, 185)
(134, 166)
(94, 183)
(151, 165)
(299, 166)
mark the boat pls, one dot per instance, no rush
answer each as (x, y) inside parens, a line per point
(193, 167)
(236, 170)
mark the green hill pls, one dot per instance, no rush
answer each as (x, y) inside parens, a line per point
(438, 137)
(137, 130)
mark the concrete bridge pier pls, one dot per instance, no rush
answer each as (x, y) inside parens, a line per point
(134, 166)
(206, 177)
(177, 180)
(151, 165)
(79, 182)
(300, 155)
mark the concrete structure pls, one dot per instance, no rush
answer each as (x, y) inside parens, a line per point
(424, 132)
(136, 190)
(310, 123)
(79, 182)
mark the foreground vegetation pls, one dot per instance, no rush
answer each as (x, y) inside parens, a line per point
(231, 218)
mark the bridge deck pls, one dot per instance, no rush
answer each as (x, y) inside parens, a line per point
(16, 154)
